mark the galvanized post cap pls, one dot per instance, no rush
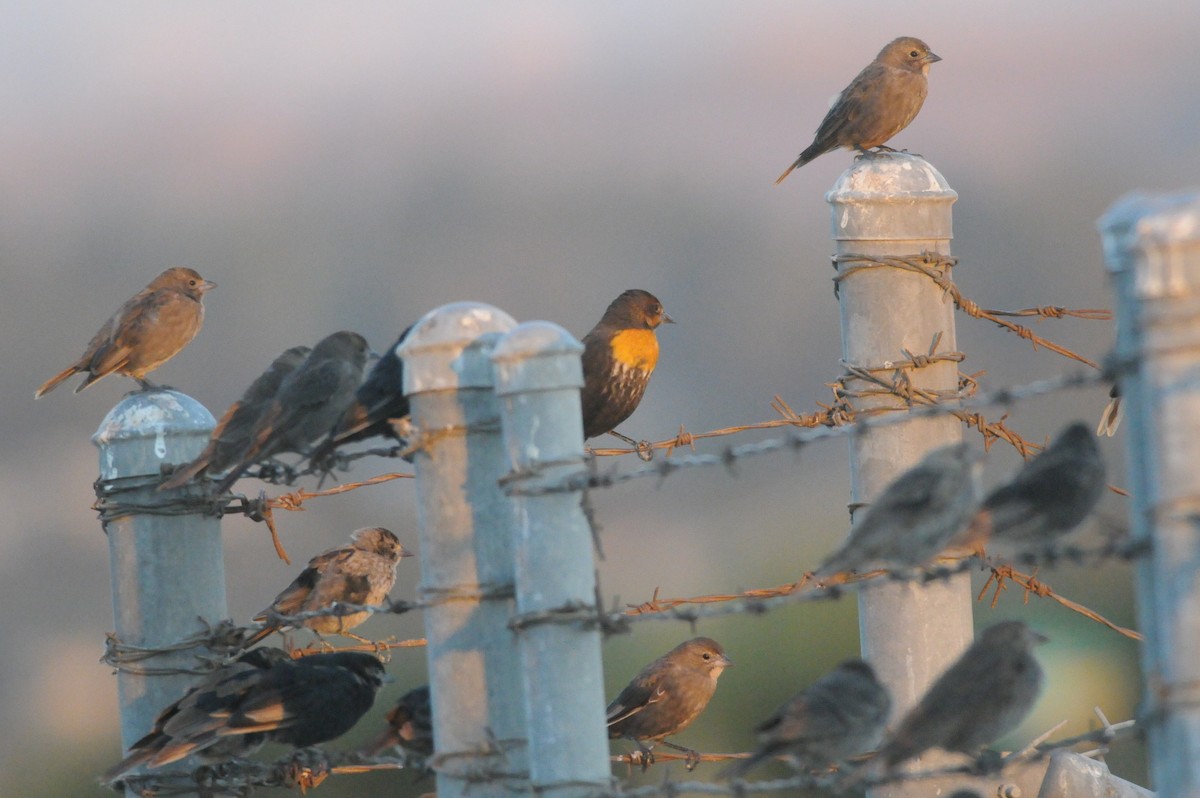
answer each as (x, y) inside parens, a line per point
(449, 348)
(1139, 223)
(537, 356)
(152, 414)
(917, 196)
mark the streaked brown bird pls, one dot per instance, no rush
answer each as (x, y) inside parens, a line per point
(361, 572)
(409, 726)
(916, 516)
(1050, 495)
(378, 403)
(295, 702)
(984, 695)
(619, 355)
(836, 717)
(310, 402)
(667, 695)
(231, 437)
(880, 102)
(148, 330)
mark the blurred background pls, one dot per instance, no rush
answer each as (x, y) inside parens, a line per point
(353, 166)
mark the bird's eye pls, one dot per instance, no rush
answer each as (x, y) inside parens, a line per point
(914, 53)
(707, 655)
(192, 283)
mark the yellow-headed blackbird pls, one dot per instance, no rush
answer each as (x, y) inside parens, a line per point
(667, 695)
(880, 102)
(148, 330)
(361, 572)
(295, 702)
(619, 355)
(231, 437)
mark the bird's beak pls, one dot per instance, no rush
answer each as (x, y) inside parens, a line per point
(667, 318)
(373, 355)
(932, 58)
(1038, 638)
(726, 662)
(207, 285)
(407, 553)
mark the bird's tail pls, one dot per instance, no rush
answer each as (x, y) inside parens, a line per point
(52, 383)
(258, 636)
(1111, 417)
(795, 165)
(813, 150)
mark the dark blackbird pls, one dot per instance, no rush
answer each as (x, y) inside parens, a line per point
(619, 355)
(310, 401)
(839, 715)
(1052, 493)
(148, 330)
(984, 695)
(377, 403)
(295, 702)
(231, 437)
(880, 102)
(361, 572)
(409, 726)
(667, 695)
(916, 516)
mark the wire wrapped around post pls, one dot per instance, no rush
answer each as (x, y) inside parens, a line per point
(168, 573)
(466, 532)
(538, 377)
(1152, 245)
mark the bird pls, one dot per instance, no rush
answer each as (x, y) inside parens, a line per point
(985, 694)
(378, 402)
(839, 715)
(916, 515)
(309, 403)
(295, 702)
(619, 355)
(1111, 418)
(148, 330)
(360, 572)
(231, 437)
(667, 695)
(1051, 494)
(880, 102)
(409, 726)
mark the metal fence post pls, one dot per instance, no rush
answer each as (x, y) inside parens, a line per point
(1152, 245)
(538, 377)
(167, 571)
(897, 205)
(466, 533)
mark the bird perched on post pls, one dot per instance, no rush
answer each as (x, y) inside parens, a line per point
(1051, 495)
(309, 402)
(409, 726)
(361, 572)
(274, 698)
(619, 355)
(149, 329)
(378, 402)
(985, 694)
(880, 102)
(916, 516)
(667, 695)
(839, 715)
(231, 437)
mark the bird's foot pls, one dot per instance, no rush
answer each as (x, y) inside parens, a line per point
(691, 756)
(643, 757)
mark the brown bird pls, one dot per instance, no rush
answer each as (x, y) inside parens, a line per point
(148, 330)
(880, 102)
(309, 402)
(839, 715)
(916, 516)
(361, 572)
(984, 695)
(378, 403)
(231, 437)
(1052, 493)
(409, 726)
(619, 355)
(238, 707)
(667, 695)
